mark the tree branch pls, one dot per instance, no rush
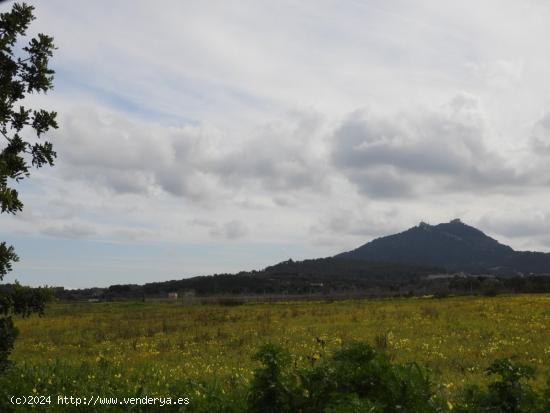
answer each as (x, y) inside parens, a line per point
(10, 140)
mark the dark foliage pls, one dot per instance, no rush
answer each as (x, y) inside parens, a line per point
(272, 388)
(23, 70)
(228, 289)
(509, 394)
(21, 300)
(357, 378)
(321, 276)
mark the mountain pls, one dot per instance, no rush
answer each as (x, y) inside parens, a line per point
(326, 275)
(454, 246)
(393, 265)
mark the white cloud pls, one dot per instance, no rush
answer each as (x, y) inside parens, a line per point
(415, 153)
(292, 123)
(540, 138)
(231, 230)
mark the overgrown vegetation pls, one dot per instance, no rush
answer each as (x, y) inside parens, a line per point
(205, 352)
(354, 378)
(357, 378)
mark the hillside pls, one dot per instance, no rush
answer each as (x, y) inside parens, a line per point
(289, 277)
(396, 264)
(454, 246)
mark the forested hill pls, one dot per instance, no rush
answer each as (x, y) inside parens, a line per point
(288, 277)
(454, 246)
(298, 277)
(394, 264)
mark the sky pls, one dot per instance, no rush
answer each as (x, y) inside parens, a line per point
(201, 137)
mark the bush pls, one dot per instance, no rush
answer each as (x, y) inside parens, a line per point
(509, 394)
(16, 299)
(355, 378)
(270, 391)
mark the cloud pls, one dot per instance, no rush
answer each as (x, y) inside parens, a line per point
(231, 230)
(540, 136)
(282, 156)
(72, 230)
(315, 124)
(125, 155)
(421, 151)
(281, 167)
(498, 73)
(517, 223)
(367, 222)
(199, 163)
(202, 222)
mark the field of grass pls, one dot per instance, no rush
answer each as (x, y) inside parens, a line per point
(154, 347)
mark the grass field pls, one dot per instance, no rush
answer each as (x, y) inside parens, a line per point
(133, 346)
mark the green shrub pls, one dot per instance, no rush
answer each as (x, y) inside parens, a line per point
(358, 378)
(508, 394)
(270, 391)
(355, 378)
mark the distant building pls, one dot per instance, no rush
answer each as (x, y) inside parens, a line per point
(172, 296)
(448, 276)
(439, 276)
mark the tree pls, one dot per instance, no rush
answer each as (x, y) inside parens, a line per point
(23, 71)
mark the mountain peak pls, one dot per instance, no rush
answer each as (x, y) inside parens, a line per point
(453, 245)
(424, 225)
